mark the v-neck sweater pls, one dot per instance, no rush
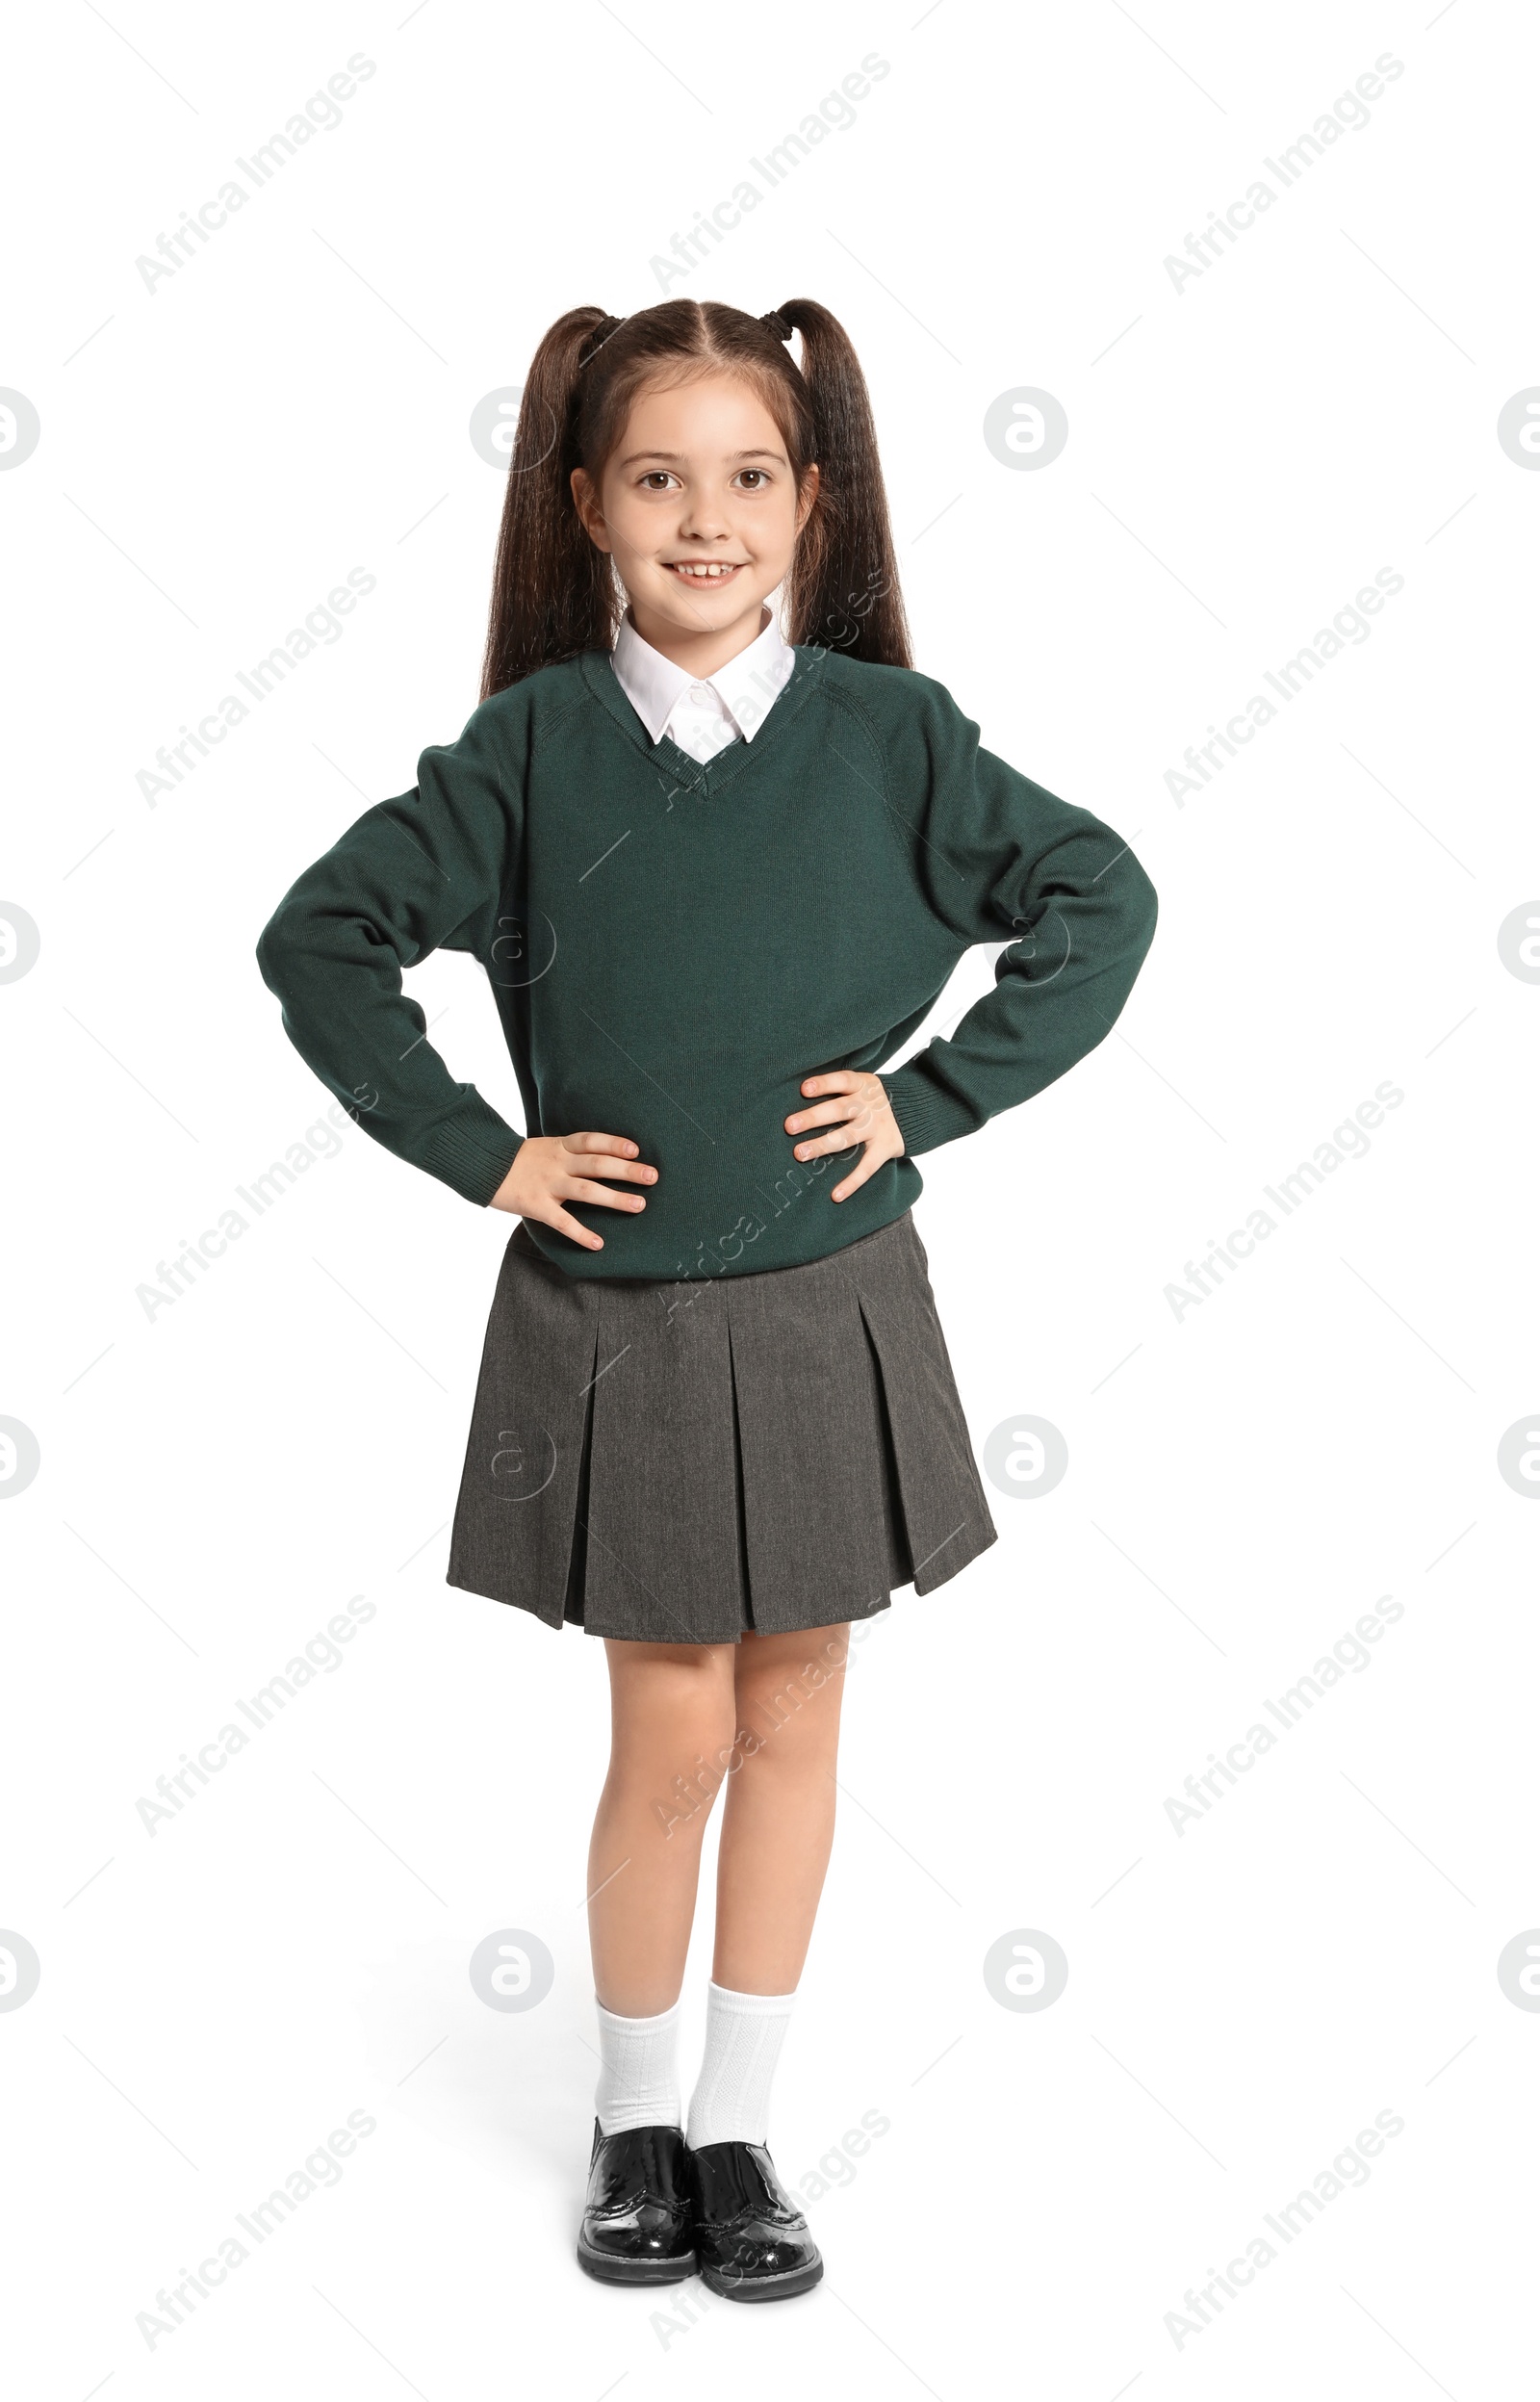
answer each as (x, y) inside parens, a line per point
(673, 946)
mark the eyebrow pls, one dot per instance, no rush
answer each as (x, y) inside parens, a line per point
(676, 458)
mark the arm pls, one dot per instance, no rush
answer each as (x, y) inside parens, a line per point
(1002, 857)
(413, 874)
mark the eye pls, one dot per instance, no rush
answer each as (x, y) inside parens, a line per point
(646, 478)
(760, 473)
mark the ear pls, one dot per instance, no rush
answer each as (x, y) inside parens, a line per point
(590, 516)
(810, 494)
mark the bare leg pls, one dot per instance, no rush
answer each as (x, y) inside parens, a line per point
(672, 1707)
(778, 1822)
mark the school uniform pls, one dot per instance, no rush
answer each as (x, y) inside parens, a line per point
(689, 894)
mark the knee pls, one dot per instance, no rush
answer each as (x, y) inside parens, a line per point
(692, 1767)
(700, 1714)
(705, 1747)
(680, 1717)
(785, 1710)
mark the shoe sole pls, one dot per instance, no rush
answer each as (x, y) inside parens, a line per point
(763, 2289)
(611, 2271)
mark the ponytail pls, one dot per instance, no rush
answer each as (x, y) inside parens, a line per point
(842, 589)
(556, 594)
(553, 589)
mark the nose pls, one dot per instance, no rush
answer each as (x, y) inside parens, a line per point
(703, 518)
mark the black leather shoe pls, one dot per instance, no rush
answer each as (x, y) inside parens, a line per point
(753, 2241)
(637, 2218)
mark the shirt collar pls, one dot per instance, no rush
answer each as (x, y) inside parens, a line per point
(747, 687)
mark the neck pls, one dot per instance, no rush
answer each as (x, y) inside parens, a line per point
(699, 653)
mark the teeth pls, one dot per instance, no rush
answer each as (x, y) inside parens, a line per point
(682, 569)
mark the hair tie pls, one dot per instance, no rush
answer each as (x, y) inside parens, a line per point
(780, 327)
(606, 327)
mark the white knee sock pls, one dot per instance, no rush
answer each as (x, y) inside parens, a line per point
(638, 2075)
(743, 2035)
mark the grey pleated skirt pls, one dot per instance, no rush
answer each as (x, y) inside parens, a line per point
(684, 1462)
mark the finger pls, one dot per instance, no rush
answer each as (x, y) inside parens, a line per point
(870, 1161)
(842, 1139)
(852, 1183)
(620, 1143)
(582, 1188)
(836, 1081)
(628, 1171)
(852, 1121)
(564, 1225)
(849, 1106)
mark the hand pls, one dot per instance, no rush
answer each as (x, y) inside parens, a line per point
(862, 1113)
(550, 1169)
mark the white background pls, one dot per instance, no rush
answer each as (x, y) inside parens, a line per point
(1245, 1480)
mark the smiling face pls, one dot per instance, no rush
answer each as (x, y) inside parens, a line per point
(698, 509)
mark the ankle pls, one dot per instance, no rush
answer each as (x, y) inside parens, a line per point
(638, 2077)
(744, 2032)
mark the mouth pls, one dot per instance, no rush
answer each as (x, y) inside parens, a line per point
(703, 571)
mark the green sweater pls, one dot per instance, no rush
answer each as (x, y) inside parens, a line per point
(672, 948)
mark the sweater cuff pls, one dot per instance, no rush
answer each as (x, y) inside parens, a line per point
(926, 1116)
(472, 1151)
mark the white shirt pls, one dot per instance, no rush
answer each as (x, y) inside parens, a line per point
(703, 713)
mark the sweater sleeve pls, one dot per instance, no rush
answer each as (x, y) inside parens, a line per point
(422, 872)
(1002, 857)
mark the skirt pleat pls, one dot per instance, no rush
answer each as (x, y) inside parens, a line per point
(686, 1463)
(943, 1501)
(663, 1511)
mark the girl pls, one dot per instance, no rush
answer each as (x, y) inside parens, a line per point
(716, 875)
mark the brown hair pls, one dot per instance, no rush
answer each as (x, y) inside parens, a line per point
(554, 593)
